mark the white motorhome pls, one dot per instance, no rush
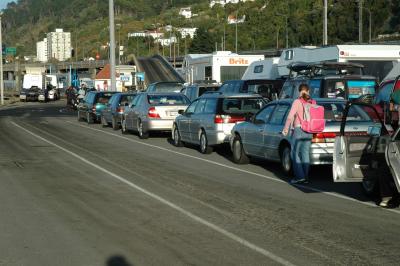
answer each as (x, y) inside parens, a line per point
(378, 60)
(262, 69)
(219, 66)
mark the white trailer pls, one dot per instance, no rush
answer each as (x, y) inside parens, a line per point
(378, 60)
(219, 66)
(262, 69)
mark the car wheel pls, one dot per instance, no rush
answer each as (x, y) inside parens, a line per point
(103, 121)
(204, 148)
(370, 186)
(89, 118)
(177, 137)
(286, 160)
(114, 124)
(239, 156)
(141, 132)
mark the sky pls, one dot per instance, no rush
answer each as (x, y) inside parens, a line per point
(3, 3)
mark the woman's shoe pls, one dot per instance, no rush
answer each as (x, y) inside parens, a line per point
(297, 181)
(385, 202)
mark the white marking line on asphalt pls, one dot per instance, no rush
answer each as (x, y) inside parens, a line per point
(333, 194)
(194, 217)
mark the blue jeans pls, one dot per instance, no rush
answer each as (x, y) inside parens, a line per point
(301, 144)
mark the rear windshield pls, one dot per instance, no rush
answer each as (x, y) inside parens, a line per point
(242, 105)
(167, 100)
(334, 112)
(169, 87)
(126, 99)
(203, 90)
(104, 97)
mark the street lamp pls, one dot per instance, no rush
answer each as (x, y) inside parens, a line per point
(1, 63)
(112, 44)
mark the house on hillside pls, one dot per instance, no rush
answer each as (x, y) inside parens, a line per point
(186, 12)
(232, 19)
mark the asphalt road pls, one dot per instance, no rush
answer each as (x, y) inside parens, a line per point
(78, 194)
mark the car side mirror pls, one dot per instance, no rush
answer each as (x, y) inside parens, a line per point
(181, 112)
(374, 131)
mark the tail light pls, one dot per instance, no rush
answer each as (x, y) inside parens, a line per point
(94, 109)
(324, 137)
(153, 113)
(120, 109)
(221, 119)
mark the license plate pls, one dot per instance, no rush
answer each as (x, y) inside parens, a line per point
(173, 113)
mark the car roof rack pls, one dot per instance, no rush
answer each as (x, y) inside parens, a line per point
(313, 68)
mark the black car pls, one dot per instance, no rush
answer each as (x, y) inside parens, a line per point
(267, 88)
(31, 94)
(330, 80)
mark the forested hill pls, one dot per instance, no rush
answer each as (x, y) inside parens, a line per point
(26, 21)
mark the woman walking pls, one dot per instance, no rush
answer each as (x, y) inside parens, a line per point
(300, 140)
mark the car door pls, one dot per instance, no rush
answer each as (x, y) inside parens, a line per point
(273, 131)
(393, 158)
(359, 156)
(196, 120)
(184, 121)
(129, 117)
(255, 132)
(107, 112)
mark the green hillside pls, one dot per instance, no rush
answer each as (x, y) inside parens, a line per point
(27, 21)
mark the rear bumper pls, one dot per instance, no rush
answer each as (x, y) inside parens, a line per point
(218, 137)
(159, 124)
(321, 153)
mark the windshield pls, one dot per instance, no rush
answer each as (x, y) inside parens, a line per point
(167, 100)
(334, 112)
(242, 105)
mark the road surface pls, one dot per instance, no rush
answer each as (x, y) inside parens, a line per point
(78, 194)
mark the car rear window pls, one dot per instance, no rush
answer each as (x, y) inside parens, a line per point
(167, 100)
(172, 87)
(203, 90)
(126, 99)
(334, 112)
(104, 98)
(242, 105)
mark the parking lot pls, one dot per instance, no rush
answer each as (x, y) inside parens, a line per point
(92, 195)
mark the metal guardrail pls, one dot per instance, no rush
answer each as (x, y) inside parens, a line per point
(56, 66)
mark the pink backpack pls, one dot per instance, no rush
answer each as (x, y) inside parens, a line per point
(314, 117)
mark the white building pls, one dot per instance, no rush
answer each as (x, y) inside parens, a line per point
(219, 66)
(185, 32)
(166, 41)
(234, 20)
(59, 45)
(41, 51)
(186, 12)
(146, 34)
(224, 2)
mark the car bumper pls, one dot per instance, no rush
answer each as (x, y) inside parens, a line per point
(218, 137)
(321, 153)
(160, 124)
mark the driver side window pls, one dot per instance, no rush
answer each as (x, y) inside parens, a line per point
(191, 108)
(265, 114)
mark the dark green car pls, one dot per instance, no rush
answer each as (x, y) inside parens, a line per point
(91, 107)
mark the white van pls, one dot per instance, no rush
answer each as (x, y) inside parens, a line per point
(262, 69)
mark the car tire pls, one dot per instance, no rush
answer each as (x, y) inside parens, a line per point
(238, 154)
(286, 160)
(114, 124)
(141, 132)
(177, 137)
(89, 118)
(103, 121)
(204, 147)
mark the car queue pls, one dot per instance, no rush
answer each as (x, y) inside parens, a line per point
(357, 141)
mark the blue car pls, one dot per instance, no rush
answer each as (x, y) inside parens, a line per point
(92, 105)
(114, 110)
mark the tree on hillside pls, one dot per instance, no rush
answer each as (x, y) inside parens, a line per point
(203, 41)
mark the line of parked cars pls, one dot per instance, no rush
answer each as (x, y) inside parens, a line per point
(356, 140)
(35, 94)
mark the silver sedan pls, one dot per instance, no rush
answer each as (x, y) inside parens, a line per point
(153, 112)
(261, 136)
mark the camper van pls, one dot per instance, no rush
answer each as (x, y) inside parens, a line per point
(378, 60)
(263, 69)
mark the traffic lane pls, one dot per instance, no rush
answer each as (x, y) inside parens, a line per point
(76, 215)
(253, 200)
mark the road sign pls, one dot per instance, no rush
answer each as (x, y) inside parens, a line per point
(125, 78)
(11, 51)
(140, 76)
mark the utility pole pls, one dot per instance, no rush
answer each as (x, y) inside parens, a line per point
(360, 21)
(112, 45)
(1, 63)
(325, 32)
(287, 32)
(236, 32)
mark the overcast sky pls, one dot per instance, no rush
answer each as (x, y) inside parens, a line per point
(3, 3)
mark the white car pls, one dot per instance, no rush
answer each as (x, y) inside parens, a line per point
(53, 94)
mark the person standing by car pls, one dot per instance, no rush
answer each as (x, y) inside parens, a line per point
(71, 96)
(300, 140)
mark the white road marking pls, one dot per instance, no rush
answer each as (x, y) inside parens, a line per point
(333, 194)
(194, 217)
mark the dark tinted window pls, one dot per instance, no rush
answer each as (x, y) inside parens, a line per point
(258, 69)
(287, 90)
(126, 99)
(200, 106)
(168, 87)
(242, 105)
(265, 114)
(202, 90)
(104, 97)
(167, 99)
(192, 107)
